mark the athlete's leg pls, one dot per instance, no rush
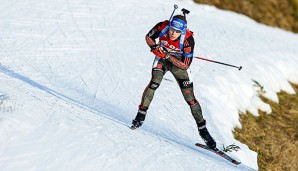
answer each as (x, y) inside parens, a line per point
(184, 80)
(158, 71)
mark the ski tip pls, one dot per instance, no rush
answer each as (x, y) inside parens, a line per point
(237, 163)
(198, 144)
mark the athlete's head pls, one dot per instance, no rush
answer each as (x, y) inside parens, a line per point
(177, 26)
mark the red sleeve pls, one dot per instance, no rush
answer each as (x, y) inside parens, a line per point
(188, 50)
(153, 34)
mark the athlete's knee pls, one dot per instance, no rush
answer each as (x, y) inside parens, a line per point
(153, 85)
(156, 79)
(185, 83)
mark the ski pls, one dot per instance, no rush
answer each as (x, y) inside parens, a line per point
(136, 124)
(218, 152)
(133, 127)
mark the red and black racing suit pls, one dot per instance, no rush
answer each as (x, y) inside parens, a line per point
(178, 64)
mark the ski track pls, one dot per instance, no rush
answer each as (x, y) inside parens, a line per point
(61, 102)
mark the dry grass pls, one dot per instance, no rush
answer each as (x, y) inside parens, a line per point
(279, 13)
(273, 136)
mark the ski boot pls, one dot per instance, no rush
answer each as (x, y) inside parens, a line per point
(138, 121)
(205, 135)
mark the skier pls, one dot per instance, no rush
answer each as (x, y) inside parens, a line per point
(173, 53)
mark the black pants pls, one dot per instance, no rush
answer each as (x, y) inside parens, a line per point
(183, 77)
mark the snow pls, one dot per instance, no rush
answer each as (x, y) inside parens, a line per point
(72, 74)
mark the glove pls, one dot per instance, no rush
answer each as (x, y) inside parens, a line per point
(158, 51)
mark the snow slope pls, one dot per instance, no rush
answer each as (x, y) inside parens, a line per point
(72, 74)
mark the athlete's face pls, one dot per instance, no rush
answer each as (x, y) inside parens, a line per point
(174, 34)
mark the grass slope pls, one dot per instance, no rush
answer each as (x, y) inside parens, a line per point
(273, 136)
(277, 13)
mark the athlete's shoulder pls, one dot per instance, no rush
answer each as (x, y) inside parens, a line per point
(189, 39)
(165, 23)
(189, 35)
(161, 25)
(189, 32)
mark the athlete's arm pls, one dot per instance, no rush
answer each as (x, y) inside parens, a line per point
(187, 56)
(188, 50)
(153, 34)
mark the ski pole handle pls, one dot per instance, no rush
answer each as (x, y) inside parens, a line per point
(175, 7)
(209, 60)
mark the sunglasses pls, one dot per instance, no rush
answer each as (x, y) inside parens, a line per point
(175, 30)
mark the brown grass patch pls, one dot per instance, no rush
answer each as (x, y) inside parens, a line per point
(273, 136)
(278, 13)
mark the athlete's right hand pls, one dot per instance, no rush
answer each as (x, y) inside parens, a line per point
(158, 51)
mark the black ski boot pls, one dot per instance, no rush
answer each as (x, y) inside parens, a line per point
(205, 135)
(138, 121)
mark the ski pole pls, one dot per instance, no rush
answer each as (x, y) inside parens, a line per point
(239, 68)
(175, 7)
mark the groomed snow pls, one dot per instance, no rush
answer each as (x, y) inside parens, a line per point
(72, 74)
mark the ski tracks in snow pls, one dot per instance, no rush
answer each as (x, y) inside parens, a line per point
(85, 117)
(85, 134)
